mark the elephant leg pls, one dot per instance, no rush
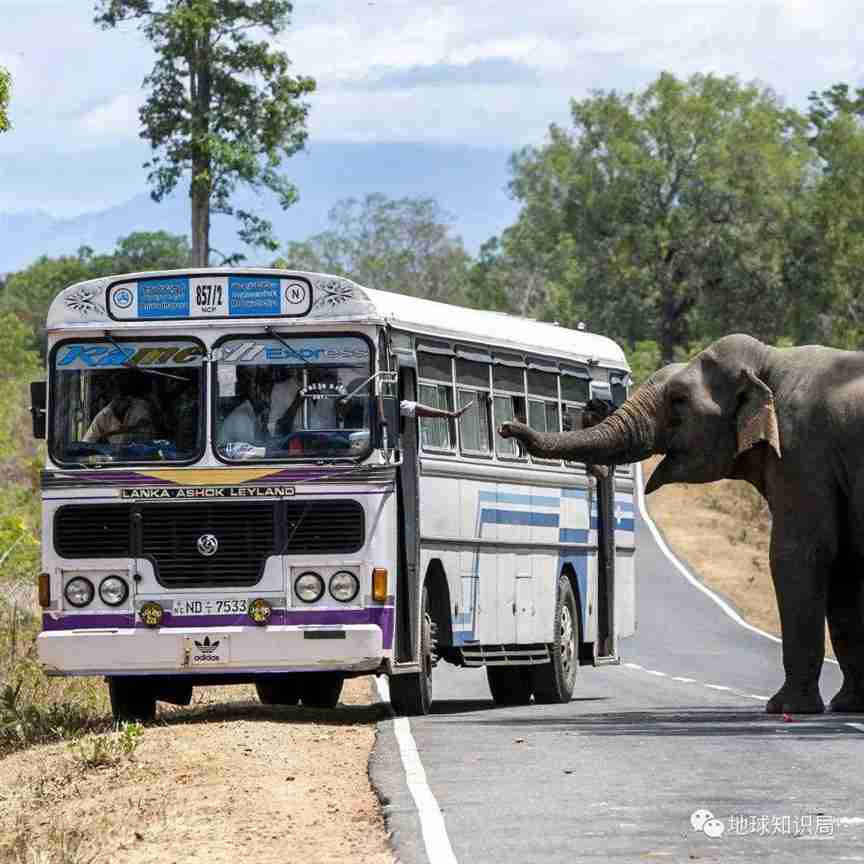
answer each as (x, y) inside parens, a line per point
(846, 626)
(800, 564)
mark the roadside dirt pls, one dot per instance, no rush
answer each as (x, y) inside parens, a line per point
(224, 780)
(722, 531)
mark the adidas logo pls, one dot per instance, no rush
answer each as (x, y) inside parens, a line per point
(205, 646)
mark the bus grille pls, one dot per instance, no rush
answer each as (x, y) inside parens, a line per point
(244, 534)
(92, 531)
(247, 533)
(322, 527)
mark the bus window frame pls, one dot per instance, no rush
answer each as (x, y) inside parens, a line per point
(442, 349)
(120, 338)
(548, 367)
(481, 396)
(294, 460)
(514, 362)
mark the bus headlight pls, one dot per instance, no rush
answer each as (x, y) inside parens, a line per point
(309, 587)
(113, 590)
(344, 586)
(79, 592)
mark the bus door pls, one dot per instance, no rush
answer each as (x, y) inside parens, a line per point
(605, 492)
(408, 504)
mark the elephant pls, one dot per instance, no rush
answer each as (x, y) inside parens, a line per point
(790, 421)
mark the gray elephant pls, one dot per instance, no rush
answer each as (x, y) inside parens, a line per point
(791, 422)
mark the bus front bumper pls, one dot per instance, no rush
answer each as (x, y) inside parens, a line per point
(197, 650)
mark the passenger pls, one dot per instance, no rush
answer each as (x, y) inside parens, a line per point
(242, 423)
(284, 402)
(128, 417)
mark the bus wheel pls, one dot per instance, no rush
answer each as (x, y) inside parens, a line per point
(321, 689)
(278, 690)
(554, 682)
(411, 693)
(132, 698)
(510, 685)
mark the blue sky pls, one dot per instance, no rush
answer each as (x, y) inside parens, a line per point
(464, 74)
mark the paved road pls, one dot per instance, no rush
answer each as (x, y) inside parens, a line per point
(616, 774)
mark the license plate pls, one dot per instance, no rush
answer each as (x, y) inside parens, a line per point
(212, 649)
(211, 606)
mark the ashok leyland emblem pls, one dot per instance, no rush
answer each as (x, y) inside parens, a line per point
(207, 545)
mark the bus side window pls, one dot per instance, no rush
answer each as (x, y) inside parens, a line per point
(435, 389)
(508, 402)
(472, 383)
(543, 408)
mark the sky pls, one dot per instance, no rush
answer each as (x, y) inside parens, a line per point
(460, 73)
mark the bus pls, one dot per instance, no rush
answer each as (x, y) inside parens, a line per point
(236, 490)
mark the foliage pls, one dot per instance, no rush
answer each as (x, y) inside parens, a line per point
(403, 245)
(221, 106)
(29, 292)
(107, 749)
(665, 210)
(5, 93)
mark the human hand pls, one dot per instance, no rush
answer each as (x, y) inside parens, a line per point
(463, 409)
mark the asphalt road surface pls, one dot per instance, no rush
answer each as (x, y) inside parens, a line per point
(617, 774)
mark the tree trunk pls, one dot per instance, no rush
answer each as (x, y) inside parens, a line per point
(202, 183)
(673, 321)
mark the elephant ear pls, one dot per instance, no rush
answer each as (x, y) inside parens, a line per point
(756, 418)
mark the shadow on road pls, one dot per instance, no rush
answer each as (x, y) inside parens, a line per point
(221, 712)
(443, 707)
(697, 722)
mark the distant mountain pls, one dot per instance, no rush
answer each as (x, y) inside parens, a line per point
(468, 183)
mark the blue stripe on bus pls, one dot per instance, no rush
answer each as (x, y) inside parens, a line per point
(516, 498)
(488, 516)
(572, 535)
(574, 493)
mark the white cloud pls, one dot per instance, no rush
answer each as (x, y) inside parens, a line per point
(117, 118)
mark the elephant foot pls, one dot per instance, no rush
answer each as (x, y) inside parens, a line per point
(786, 701)
(848, 700)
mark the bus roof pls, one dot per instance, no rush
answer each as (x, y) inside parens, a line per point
(215, 296)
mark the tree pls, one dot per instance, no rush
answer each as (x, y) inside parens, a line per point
(5, 93)
(29, 292)
(221, 106)
(403, 245)
(662, 213)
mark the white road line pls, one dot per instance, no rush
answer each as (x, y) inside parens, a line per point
(435, 839)
(858, 726)
(632, 665)
(683, 679)
(719, 687)
(655, 672)
(658, 539)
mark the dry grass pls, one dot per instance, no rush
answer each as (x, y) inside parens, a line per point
(722, 530)
(224, 778)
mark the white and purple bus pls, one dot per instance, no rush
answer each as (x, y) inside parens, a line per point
(237, 490)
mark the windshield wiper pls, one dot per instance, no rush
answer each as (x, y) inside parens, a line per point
(138, 368)
(271, 332)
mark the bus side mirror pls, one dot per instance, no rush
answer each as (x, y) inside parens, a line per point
(388, 417)
(38, 391)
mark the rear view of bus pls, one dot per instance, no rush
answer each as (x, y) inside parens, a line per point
(218, 499)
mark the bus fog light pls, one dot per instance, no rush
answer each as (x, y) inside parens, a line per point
(151, 614)
(309, 587)
(44, 590)
(344, 586)
(379, 584)
(79, 591)
(113, 590)
(260, 611)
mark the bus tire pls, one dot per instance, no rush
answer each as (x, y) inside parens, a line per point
(132, 698)
(554, 682)
(510, 685)
(278, 690)
(321, 689)
(411, 692)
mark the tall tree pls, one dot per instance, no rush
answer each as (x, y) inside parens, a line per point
(404, 245)
(664, 210)
(221, 108)
(5, 92)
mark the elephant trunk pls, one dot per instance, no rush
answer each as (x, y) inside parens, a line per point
(627, 435)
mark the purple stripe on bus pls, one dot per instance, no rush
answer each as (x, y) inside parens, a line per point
(382, 616)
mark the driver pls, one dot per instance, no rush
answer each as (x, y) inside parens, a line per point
(128, 417)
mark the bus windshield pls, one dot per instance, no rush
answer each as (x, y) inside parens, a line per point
(292, 397)
(128, 401)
